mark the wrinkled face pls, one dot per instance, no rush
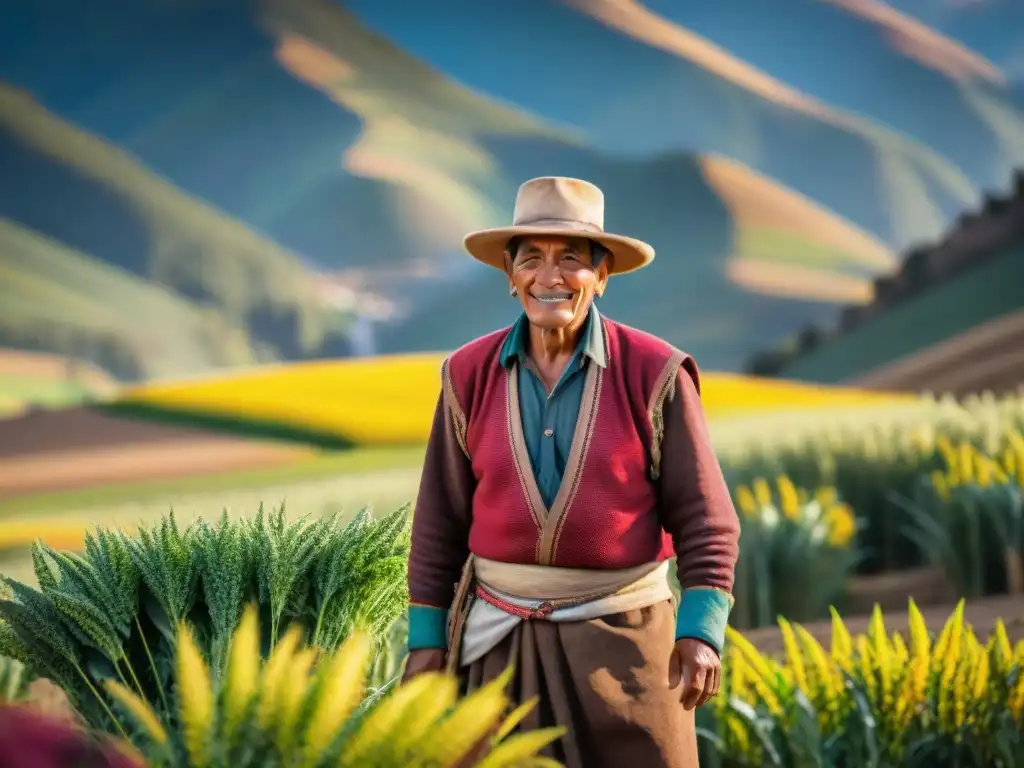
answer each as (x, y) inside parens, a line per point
(556, 279)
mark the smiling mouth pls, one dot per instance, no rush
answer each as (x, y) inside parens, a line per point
(553, 298)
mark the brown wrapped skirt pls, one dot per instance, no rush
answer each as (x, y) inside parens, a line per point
(606, 680)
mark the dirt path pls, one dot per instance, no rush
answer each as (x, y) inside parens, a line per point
(980, 614)
(80, 447)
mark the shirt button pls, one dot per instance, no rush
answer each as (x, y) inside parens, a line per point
(548, 432)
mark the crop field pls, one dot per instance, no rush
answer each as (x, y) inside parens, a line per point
(830, 484)
(37, 379)
(333, 482)
(395, 397)
(383, 406)
(390, 400)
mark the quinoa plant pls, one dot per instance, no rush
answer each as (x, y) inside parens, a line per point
(15, 677)
(303, 707)
(113, 612)
(878, 699)
(14, 680)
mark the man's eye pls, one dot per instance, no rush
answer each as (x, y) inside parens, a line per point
(572, 256)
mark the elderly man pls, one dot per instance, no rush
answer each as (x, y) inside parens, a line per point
(569, 460)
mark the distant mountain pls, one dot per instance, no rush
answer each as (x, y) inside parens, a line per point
(702, 217)
(673, 90)
(101, 214)
(251, 158)
(992, 28)
(867, 58)
(58, 299)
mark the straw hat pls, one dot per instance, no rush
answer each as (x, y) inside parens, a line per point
(555, 205)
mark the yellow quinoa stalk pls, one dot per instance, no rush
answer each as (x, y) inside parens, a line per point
(389, 717)
(762, 676)
(470, 723)
(195, 698)
(789, 499)
(842, 643)
(139, 710)
(866, 669)
(762, 492)
(883, 657)
(243, 670)
(275, 672)
(341, 687)
(949, 664)
(794, 657)
(423, 716)
(292, 695)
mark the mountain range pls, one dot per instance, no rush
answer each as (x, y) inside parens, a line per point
(216, 165)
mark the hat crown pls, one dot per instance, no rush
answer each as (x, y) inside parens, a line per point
(550, 199)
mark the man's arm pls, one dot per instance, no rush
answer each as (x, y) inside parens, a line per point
(697, 510)
(440, 531)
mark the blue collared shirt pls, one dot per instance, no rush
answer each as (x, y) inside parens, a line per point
(549, 419)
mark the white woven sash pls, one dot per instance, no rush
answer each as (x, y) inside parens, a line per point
(527, 586)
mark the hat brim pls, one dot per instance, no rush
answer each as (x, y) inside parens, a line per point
(488, 246)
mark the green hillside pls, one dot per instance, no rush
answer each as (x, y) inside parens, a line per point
(148, 227)
(55, 298)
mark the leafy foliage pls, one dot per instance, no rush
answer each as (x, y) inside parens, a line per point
(968, 517)
(796, 552)
(874, 700)
(303, 707)
(14, 680)
(867, 461)
(111, 613)
(15, 677)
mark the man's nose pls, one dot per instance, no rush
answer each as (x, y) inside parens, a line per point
(550, 273)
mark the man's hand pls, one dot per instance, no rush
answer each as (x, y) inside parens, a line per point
(423, 660)
(697, 664)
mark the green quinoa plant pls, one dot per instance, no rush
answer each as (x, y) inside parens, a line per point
(112, 612)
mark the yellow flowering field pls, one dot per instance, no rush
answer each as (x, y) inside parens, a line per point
(880, 458)
(798, 548)
(914, 699)
(389, 400)
(59, 534)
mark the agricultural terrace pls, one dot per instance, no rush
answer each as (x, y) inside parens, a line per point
(396, 397)
(849, 501)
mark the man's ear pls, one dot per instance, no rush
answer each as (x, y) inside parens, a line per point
(508, 271)
(602, 276)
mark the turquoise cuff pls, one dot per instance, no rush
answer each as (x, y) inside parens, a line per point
(703, 614)
(427, 627)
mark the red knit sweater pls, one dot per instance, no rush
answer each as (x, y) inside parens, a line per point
(605, 513)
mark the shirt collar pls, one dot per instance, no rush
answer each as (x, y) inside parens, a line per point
(592, 344)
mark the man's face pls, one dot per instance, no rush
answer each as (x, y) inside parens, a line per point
(556, 279)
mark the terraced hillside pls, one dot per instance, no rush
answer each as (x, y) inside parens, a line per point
(961, 335)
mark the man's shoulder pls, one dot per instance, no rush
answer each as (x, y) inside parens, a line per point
(467, 368)
(640, 345)
(480, 350)
(643, 354)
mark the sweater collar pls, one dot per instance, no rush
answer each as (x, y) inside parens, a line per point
(591, 345)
